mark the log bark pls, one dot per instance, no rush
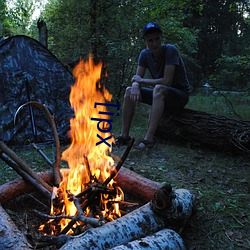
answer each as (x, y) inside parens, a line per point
(150, 218)
(163, 239)
(18, 187)
(212, 131)
(10, 237)
(136, 185)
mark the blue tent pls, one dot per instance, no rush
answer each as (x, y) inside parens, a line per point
(30, 72)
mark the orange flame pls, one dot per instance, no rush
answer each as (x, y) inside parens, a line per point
(84, 158)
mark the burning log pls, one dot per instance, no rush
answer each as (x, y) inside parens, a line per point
(163, 239)
(165, 210)
(216, 132)
(10, 237)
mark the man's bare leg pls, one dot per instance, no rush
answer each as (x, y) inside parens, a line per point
(127, 115)
(156, 113)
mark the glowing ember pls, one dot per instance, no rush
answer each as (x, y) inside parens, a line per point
(89, 164)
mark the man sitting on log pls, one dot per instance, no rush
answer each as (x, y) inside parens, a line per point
(168, 89)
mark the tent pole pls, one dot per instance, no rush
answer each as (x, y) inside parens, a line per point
(33, 125)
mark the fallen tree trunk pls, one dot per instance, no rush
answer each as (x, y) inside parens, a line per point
(10, 237)
(150, 218)
(212, 131)
(163, 239)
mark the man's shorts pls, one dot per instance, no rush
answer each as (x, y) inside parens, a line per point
(175, 99)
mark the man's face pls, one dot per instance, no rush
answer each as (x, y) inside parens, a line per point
(153, 40)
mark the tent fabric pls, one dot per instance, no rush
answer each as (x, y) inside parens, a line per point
(30, 72)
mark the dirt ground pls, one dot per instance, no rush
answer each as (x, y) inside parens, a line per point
(220, 182)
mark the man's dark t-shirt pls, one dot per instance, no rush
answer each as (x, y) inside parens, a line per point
(171, 56)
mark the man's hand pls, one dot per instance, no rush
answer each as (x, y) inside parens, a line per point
(136, 78)
(135, 93)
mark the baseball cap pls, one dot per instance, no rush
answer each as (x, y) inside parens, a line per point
(150, 26)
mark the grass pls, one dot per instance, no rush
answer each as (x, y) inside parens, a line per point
(234, 106)
(219, 180)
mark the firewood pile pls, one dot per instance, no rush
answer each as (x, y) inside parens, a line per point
(155, 222)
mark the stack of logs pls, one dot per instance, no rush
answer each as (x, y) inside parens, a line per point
(156, 223)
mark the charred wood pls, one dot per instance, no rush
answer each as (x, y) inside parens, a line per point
(138, 186)
(120, 163)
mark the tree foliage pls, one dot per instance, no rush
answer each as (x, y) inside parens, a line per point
(212, 35)
(223, 33)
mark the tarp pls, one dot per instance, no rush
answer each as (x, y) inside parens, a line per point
(29, 71)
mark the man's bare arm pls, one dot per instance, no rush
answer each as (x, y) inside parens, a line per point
(166, 80)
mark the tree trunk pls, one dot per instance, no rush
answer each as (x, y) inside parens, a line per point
(212, 131)
(43, 32)
(10, 237)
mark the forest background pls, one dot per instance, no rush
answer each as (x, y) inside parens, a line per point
(212, 36)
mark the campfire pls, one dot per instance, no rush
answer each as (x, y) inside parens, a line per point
(87, 198)
(87, 189)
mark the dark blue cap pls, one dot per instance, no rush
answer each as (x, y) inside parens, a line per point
(150, 26)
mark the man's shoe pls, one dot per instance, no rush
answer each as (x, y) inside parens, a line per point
(121, 141)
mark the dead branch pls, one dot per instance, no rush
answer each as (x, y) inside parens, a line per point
(120, 163)
(23, 165)
(26, 176)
